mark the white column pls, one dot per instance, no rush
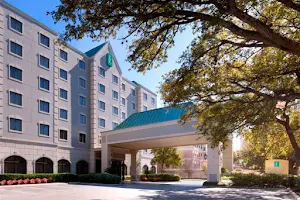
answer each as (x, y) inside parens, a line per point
(133, 169)
(105, 156)
(214, 164)
(228, 156)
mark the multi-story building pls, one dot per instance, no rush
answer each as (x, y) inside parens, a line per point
(56, 100)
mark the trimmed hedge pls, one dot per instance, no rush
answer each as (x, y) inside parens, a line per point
(86, 178)
(159, 177)
(264, 180)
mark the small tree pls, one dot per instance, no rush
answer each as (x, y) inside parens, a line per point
(166, 157)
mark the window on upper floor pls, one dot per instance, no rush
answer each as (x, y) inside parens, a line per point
(133, 92)
(44, 130)
(44, 106)
(16, 25)
(123, 101)
(15, 124)
(82, 82)
(63, 55)
(15, 73)
(63, 94)
(115, 95)
(81, 64)
(44, 84)
(63, 74)
(101, 88)
(115, 110)
(152, 100)
(101, 122)
(82, 137)
(63, 134)
(82, 100)
(145, 108)
(115, 79)
(145, 96)
(114, 125)
(82, 119)
(15, 49)
(63, 114)
(44, 40)
(101, 71)
(44, 62)
(133, 105)
(123, 87)
(101, 105)
(123, 115)
(15, 98)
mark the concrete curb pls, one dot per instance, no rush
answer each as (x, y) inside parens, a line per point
(30, 185)
(296, 196)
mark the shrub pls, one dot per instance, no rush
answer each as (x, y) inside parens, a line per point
(265, 180)
(9, 182)
(224, 170)
(26, 181)
(44, 180)
(53, 177)
(99, 178)
(3, 182)
(159, 177)
(32, 181)
(20, 181)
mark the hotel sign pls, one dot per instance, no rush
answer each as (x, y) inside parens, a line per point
(109, 60)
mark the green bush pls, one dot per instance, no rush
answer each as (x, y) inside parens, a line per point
(265, 180)
(99, 178)
(224, 170)
(159, 177)
(54, 177)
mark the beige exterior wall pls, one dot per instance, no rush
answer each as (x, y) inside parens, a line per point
(283, 167)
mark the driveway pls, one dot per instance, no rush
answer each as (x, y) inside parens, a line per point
(148, 191)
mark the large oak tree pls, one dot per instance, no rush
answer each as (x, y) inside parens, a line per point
(241, 70)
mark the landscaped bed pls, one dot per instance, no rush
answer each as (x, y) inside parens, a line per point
(159, 177)
(17, 179)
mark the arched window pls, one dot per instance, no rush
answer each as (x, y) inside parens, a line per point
(145, 168)
(15, 164)
(64, 166)
(82, 167)
(43, 165)
(153, 169)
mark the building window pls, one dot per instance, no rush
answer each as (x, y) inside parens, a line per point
(123, 101)
(123, 115)
(63, 74)
(15, 125)
(63, 114)
(101, 71)
(44, 62)
(82, 119)
(133, 105)
(63, 94)
(115, 95)
(145, 108)
(101, 88)
(145, 96)
(44, 106)
(82, 100)
(152, 100)
(63, 134)
(44, 40)
(81, 64)
(101, 122)
(115, 79)
(44, 130)
(15, 165)
(16, 49)
(133, 92)
(123, 87)
(101, 105)
(15, 73)
(114, 125)
(44, 84)
(15, 98)
(82, 82)
(63, 55)
(115, 110)
(82, 137)
(16, 25)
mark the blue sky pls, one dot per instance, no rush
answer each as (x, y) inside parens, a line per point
(151, 79)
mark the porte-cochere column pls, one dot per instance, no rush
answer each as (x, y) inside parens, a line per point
(214, 163)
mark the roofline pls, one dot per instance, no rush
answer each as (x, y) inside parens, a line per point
(129, 81)
(139, 86)
(9, 6)
(75, 49)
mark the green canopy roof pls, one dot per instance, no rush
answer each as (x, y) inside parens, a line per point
(95, 50)
(153, 116)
